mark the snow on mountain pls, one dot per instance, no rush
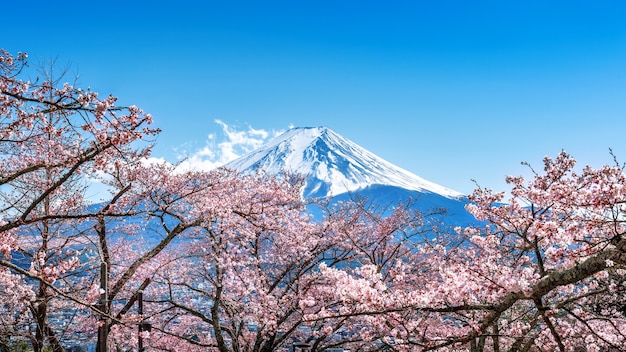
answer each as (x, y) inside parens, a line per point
(332, 164)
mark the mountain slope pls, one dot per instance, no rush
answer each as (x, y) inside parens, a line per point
(332, 164)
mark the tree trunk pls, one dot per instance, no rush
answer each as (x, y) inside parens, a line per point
(40, 316)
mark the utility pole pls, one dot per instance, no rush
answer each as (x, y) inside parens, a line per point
(143, 324)
(140, 311)
(301, 347)
(103, 303)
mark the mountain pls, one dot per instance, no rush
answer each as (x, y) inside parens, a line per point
(339, 168)
(333, 164)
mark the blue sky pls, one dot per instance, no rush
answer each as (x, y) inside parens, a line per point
(449, 90)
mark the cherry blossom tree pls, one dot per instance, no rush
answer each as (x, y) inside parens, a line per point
(163, 204)
(235, 281)
(247, 274)
(546, 272)
(54, 139)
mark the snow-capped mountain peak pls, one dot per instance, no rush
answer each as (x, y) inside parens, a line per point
(332, 164)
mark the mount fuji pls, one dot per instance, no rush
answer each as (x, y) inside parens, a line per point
(339, 168)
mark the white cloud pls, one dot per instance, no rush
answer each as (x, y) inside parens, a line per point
(234, 144)
(217, 151)
(154, 160)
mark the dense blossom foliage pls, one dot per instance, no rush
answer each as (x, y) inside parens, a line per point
(244, 270)
(545, 273)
